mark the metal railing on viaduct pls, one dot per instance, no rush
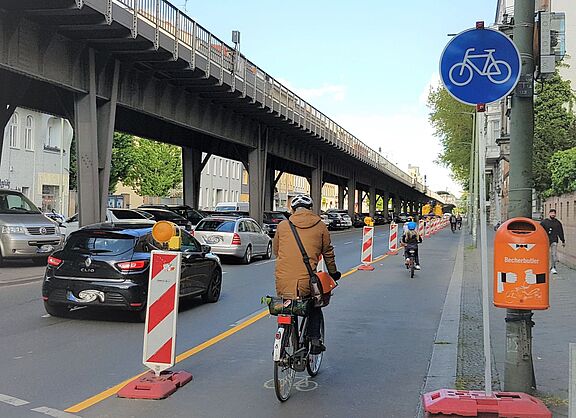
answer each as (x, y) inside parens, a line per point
(144, 67)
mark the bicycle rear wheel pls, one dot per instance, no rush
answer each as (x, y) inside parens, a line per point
(315, 360)
(283, 372)
(412, 268)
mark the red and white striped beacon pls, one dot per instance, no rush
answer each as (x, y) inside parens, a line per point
(393, 239)
(367, 246)
(161, 318)
(421, 228)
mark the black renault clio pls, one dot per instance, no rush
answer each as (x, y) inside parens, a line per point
(106, 266)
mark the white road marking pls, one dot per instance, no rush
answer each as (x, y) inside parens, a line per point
(349, 242)
(224, 272)
(245, 318)
(10, 400)
(54, 412)
(263, 262)
(46, 316)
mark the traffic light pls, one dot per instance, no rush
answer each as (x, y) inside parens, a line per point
(551, 41)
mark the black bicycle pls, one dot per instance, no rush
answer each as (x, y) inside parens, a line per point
(411, 261)
(292, 353)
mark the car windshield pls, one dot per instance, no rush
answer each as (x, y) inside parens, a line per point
(219, 225)
(14, 202)
(127, 214)
(99, 243)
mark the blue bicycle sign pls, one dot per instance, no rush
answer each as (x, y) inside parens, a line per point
(480, 66)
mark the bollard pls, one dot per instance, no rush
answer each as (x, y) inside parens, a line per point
(367, 246)
(393, 239)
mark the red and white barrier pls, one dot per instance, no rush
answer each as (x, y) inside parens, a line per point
(421, 228)
(160, 331)
(367, 247)
(393, 239)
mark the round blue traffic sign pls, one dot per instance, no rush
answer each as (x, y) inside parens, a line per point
(480, 66)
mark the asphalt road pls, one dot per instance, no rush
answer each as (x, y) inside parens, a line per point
(380, 331)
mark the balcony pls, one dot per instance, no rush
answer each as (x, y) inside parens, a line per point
(492, 154)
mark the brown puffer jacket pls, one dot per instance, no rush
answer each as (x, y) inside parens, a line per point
(292, 279)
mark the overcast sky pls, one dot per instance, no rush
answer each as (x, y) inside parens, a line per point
(367, 64)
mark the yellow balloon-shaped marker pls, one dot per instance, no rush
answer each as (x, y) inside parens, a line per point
(163, 231)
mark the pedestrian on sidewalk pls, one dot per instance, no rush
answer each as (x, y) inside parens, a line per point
(554, 229)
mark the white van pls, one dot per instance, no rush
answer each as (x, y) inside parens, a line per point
(232, 207)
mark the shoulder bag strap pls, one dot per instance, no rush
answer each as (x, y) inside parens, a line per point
(305, 257)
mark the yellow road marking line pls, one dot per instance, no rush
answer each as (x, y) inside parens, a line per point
(181, 357)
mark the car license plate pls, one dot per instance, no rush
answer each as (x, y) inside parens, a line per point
(45, 249)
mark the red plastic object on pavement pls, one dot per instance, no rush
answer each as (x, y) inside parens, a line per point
(150, 386)
(468, 403)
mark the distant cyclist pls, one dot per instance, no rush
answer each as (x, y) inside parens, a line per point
(453, 221)
(410, 239)
(459, 221)
(292, 278)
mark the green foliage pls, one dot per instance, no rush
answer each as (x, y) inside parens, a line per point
(452, 123)
(122, 159)
(554, 127)
(156, 168)
(563, 172)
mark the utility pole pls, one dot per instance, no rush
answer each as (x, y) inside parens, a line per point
(519, 370)
(471, 178)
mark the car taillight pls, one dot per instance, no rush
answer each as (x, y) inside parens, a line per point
(54, 262)
(236, 240)
(132, 265)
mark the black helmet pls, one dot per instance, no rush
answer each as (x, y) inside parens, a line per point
(301, 201)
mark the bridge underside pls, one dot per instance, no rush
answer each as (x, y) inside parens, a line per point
(89, 66)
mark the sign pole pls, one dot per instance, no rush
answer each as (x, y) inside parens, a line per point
(519, 368)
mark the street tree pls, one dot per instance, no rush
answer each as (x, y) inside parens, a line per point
(156, 168)
(452, 123)
(562, 168)
(554, 127)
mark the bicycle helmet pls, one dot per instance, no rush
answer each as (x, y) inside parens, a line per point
(301, 201)
(412, 226)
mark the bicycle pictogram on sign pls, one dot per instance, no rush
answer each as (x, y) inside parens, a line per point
(497, 71)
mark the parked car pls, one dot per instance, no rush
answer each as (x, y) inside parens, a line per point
(380, 219)
(168, 215)
(107, 266)
(193, 215)
(271, 221)
(401, 217)
(358, 221)
(25, 233)
(113, 215)
(56, 217)
(232, 207)
(339, 219)
(235, 236)
(327, 221)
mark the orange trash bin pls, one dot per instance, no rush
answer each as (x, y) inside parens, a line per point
(521, 265)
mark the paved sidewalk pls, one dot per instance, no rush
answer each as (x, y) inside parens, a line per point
(553, 332)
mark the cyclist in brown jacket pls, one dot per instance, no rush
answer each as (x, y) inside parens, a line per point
(292, 278)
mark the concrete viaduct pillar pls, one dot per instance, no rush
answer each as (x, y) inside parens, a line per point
(372, 197)
(257, 162)
(316, 186)
(341, 196)
(385, 201)
(351, 196)
(92, 120)
(192, 166)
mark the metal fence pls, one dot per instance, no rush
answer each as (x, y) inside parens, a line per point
(167, 19)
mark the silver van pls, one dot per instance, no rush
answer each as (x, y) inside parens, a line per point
(25, 233)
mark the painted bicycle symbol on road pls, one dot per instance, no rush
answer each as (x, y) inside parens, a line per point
(497, 71)
(301, 383)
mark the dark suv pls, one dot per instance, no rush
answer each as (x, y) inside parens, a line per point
(271, 221)
(168, 215)
(107, 266)
(193, 215)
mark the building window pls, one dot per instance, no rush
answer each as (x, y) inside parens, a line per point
(28, 133)
(13, 131)
(26, 192)
(221, 167)
(50, 196)
(208, 167)
(227, 168)
(214, 166)
(567, 210)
